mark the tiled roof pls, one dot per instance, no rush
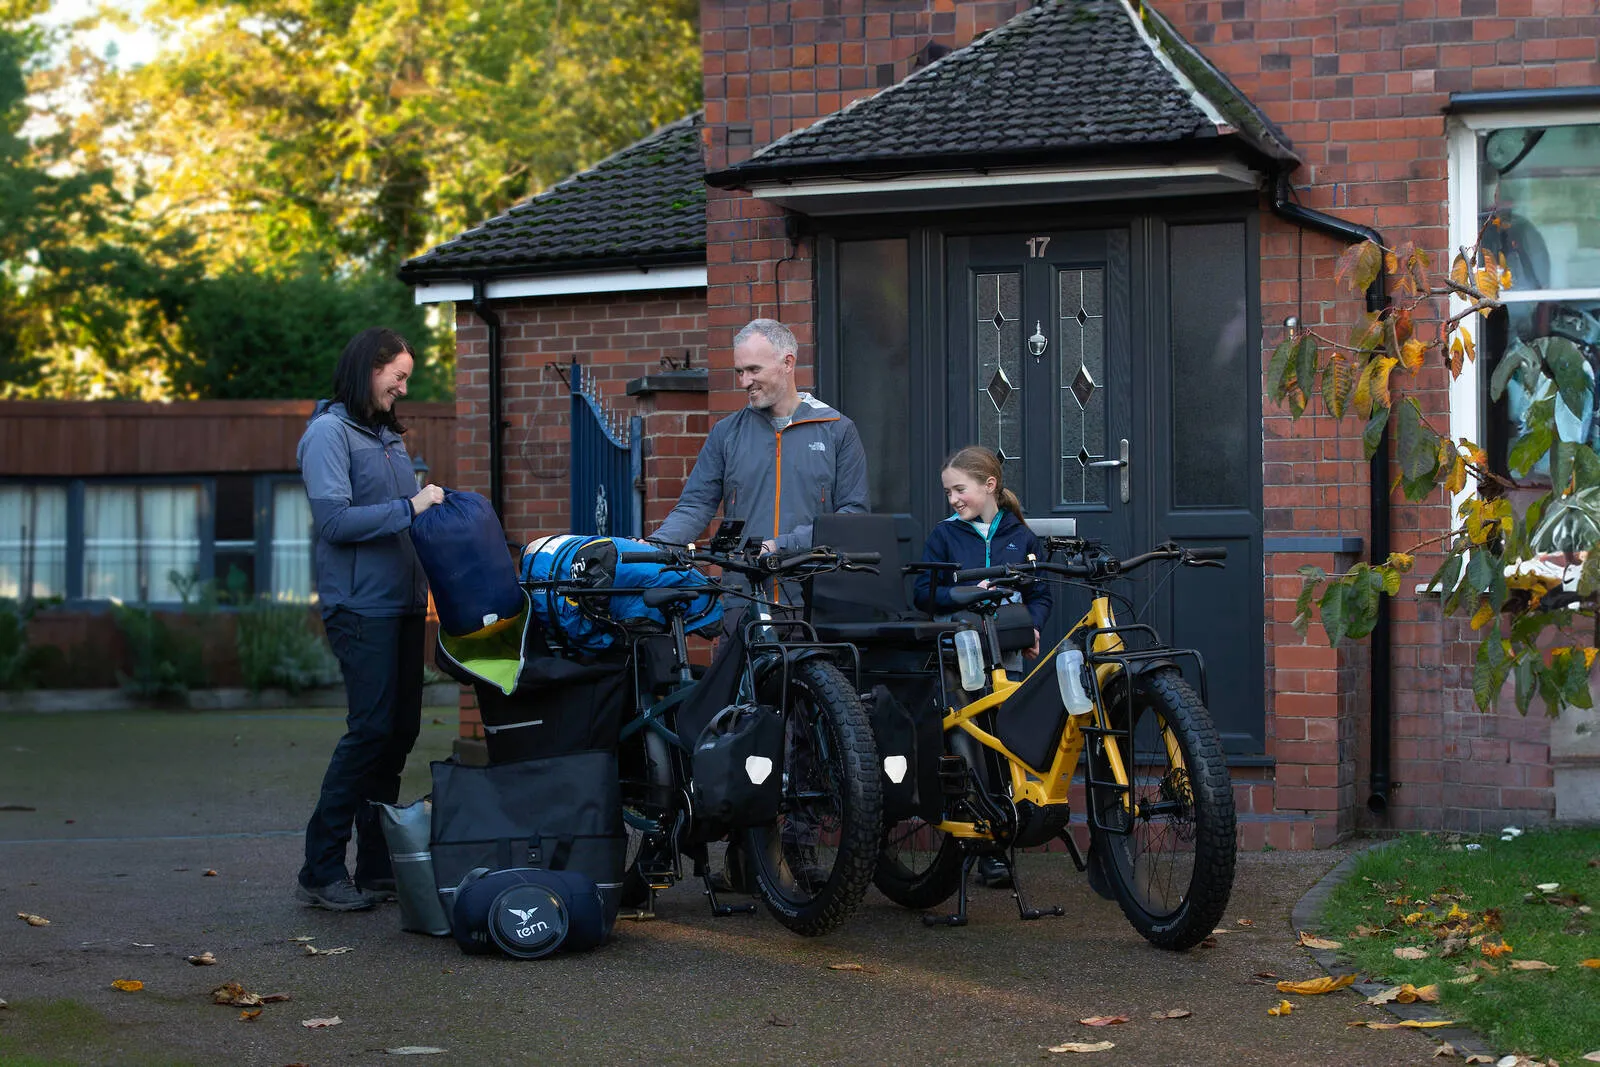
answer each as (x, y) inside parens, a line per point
(644, 205)
(1064, 76)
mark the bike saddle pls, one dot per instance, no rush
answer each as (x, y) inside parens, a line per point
(968, 595)
(661, 597)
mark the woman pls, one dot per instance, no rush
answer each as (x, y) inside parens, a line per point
(374, 596)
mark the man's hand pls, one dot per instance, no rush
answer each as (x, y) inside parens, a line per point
(1032, 651)
(768, 547)
(427, 498)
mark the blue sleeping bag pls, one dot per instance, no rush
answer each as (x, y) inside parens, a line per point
(462, 548)
(594, 624)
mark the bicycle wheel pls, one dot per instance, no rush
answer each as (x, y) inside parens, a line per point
(919, 866)
(1167, 851)
(815, 862)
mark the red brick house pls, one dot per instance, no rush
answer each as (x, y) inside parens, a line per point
(1071, 230)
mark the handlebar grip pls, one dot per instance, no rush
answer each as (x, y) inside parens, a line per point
(861, 557)
(978, 574)
(646, 557)
(1217, 552)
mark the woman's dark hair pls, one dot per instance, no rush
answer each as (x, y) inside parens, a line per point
(369, 350)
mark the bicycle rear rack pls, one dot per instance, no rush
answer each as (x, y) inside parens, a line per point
(1130, 663)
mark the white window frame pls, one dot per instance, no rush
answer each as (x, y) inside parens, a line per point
(1466, 416)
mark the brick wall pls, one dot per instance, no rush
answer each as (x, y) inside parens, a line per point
(1359, 88)
(616, 337)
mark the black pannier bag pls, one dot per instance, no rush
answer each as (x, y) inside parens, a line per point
(533, 702)
(558, 813)
(738, 766)
(528, 912)
(907, 725)
(1031, 721)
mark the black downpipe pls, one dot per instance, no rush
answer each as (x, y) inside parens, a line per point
(480, 308)
(1378, 497)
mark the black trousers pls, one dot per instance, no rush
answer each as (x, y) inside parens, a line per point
(381, 659)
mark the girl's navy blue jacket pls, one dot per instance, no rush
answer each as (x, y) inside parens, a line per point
(955, 541)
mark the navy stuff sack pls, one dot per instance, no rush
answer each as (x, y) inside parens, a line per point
(462, 549)
(594, 624)
(738, 780)
(527, 912)
(559, 813)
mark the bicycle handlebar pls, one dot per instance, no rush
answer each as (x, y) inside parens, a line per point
(769, 565)
(1092, 567)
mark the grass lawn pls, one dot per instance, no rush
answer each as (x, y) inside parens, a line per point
(1477, 915)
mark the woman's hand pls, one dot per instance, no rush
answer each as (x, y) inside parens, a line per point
(427, 498)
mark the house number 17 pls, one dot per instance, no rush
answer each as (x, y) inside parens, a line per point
(1036, 247)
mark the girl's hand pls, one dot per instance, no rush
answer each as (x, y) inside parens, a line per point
(984, 584)
(426, 498)
(1033, 652)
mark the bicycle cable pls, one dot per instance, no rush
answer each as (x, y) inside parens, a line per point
(1137, 615)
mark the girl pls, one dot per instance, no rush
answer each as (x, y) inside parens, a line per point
(986, 530)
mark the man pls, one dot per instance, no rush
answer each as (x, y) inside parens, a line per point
(778, 463)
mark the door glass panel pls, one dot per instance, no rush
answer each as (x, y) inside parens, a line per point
(1081, 394)
(1211, 374)
(998, 352)
(875, 362)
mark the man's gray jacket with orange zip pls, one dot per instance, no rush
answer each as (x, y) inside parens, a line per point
(777, 481)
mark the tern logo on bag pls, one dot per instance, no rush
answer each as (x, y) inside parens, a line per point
(522, 916)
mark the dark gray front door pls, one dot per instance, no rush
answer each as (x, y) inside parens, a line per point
(1043, 332)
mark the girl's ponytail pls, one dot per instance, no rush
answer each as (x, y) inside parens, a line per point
(1009, 502)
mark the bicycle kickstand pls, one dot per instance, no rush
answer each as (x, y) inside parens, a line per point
(968, 861)
(1023, 910)
(702, 867)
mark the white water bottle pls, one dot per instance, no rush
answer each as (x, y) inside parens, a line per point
(969, 657)
(1069, 677)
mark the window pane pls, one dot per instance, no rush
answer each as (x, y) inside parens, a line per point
(1510, 335)
(875, 360)
(169, 528)
(111, 542)
(291, 543)
(1081, 397)
(1542, 186)
(997, 353)
(1211, 369)
(33, 541)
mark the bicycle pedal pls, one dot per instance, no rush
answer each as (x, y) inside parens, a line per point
(638, 915)
(1040, 913)
(944, 920)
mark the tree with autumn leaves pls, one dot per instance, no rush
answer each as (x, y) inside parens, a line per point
(1515, 538)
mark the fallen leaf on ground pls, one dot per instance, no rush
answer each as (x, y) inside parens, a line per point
(1548, 887)
(247, 1014)
(1364, 930)
(1409, 953)
(141, 944)
(312, 950)
(845, 967)
(128, 985)
(320, 1024)
(1104, 1020)
(1210, 942)
(301, 940)
(1247, 922)
(1312, 941)
(1310, 988)
(774, 1020)
(1494, 949)
(1531, 965)
(1592, 1057)
(414, 1050)
(235, 994)
(1172, 1013)
(1466, 979)
(205, 959)
(33, 920)
(1266, 974)
(1478, 1057)
(1404, 1024)
(1446, 1049)
(1590, 963)
(1084, 1046)
(3, 1004)
(210, 873)
(1406, 994)
(1283, 1008)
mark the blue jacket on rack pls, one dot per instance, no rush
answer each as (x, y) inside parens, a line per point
(955, 540)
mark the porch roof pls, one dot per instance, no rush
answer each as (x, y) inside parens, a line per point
(643, 206)
(1065, 83)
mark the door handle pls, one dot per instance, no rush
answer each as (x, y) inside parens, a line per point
(1123, 464)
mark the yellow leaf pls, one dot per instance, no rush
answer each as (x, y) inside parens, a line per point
(248, 1015)
(1411, 953)
(1310, 941)
(33, 920)
(1172, 1013)
(1456, 479)
(1488, 282)
(1456, 912)
(1588, 657)
(1283, 1008)
(1083, 1046)
(128, 985)
(1472, 352)
(844, 967)
(1590, 963)
(1493, 950)
(1414, 918)
(1466, 979)
(1405, 1024)
(1459, 270)
(1481, 617)
(1380, 380)
(1325, 984)
(1531, 965)
(1411, 354)
(1391, 263)
(1104, 1020)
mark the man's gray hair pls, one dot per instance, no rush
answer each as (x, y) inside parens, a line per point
(774, 332)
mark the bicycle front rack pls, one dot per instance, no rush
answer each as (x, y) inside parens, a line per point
(1131, 662)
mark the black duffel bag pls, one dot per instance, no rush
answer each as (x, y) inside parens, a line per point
(738, 766)
(528, 912)
(558, 813)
